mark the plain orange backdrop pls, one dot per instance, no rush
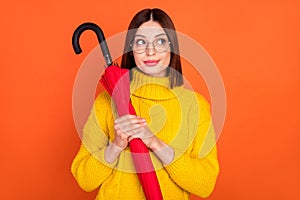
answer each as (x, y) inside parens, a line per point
(255, 45)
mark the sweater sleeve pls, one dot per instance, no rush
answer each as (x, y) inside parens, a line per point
(89, 166)
(196, 170)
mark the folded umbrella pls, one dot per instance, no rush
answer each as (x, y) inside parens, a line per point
(117, 83)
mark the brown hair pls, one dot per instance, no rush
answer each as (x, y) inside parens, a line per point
(166, 23)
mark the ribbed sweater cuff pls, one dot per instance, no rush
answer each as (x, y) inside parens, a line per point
(178, 165)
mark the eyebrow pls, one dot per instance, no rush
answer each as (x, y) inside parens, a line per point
(154, 36)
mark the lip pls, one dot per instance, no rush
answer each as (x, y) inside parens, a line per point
(151, 62)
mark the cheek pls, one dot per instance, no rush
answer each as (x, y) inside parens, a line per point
(167, 59)
(137, 59)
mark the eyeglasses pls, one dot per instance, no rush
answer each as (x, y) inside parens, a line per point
(160, 44)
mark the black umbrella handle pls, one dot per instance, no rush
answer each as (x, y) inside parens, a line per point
(94, 27)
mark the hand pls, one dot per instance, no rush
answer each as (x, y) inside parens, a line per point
(146, 136)
(126, 127)
(129, 127)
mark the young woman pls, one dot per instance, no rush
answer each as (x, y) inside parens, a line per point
(173, 122)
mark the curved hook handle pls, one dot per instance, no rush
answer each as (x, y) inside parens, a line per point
(94, 27)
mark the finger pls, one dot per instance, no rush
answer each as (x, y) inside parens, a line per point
(120, 133)
(128, 122)
(130, 138)
(131, 133)
(125, 117)
(128, 127)
(136, 131)
(117, 128)
(134, 136)
(124, 137)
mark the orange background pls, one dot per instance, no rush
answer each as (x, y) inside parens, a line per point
(255, 45)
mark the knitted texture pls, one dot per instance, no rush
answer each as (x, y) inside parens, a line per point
(179, 117)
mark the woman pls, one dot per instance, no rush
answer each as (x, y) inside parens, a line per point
(173, 122)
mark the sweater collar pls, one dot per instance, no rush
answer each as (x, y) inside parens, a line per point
(151, 87)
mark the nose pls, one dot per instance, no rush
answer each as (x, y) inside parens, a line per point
(150, 50)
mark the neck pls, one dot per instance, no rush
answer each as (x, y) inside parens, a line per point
(151, 87)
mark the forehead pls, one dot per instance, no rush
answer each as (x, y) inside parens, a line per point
(150, 29)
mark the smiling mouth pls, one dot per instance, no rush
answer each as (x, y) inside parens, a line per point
(151, 62)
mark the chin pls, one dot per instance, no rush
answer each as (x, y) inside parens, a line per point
(157, 71)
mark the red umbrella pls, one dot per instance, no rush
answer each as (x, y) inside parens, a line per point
(117, 83)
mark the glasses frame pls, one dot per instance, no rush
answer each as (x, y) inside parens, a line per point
(153, 46)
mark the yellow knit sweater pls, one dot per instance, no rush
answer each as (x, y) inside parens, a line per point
(179, 117)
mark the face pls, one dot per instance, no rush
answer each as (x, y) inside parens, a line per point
(156, 57)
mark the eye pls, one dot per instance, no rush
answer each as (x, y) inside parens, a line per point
(140, 42)
(161, 41)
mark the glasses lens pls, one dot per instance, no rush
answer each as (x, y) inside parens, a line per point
(160, 44)
(139, 45)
